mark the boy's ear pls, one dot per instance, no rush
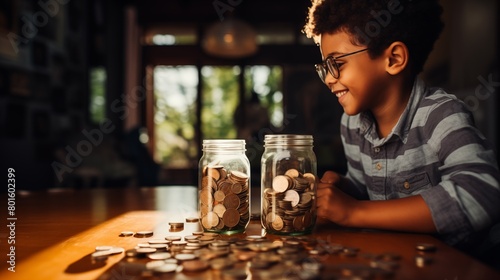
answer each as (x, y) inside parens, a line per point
(397, 57)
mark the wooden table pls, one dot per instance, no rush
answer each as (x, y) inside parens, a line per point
(56, 231)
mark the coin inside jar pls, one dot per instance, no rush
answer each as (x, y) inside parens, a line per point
(231, 217)
(292, 199)
(229, 192)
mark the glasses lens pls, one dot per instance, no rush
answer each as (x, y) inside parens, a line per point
(332, 67)
(320, 69)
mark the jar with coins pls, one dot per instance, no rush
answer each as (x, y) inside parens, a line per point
(288, 184)
(224, 186)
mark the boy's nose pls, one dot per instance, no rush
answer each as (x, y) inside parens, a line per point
(330, 80)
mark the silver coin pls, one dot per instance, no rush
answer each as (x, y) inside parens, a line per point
(145, 250)
(173, 238)
(154, 264)
(158, 241)
(185, 257)
(111, 251)
(159, 256)
(103, 248)
(166, 268)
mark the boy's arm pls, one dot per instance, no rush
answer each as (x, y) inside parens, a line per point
(403, 214)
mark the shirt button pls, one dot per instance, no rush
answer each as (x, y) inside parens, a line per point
(406, 185)
(377, 150)
(378, 166)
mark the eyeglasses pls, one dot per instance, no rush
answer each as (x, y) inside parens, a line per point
(331, 64)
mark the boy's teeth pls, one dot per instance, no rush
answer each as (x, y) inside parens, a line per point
(341, 93)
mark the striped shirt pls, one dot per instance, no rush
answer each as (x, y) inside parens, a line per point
(434, 151)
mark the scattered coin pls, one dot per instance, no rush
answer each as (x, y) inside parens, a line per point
(166, 268)
(159, 256)
(234, 274)
(192, 219)
(422, 261)
(154, 264)
(103, 248)
(173, 238)
(143, 234)
(426, 247)
(176, 224)
(194, 265)
(385, 265)
(145, 250)
(127, 233)
(103, 251)
(185, 257)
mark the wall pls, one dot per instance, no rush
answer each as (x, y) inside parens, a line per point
(43, 89)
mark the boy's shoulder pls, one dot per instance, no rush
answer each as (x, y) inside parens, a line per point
(437, 98)
(425, 102)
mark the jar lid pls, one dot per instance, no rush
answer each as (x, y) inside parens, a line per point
(223, 144)
(288, 139)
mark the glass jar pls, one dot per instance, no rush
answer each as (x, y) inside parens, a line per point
(224, 186)
(288, 184)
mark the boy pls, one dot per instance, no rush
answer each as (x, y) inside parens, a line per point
(415, 160)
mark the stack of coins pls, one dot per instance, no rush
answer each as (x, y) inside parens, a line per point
(176, 226)
(224, 199)
(289, 205)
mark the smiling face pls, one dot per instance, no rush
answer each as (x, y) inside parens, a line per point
(362, 85)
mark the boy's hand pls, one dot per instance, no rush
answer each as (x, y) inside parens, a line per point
(404, 214)
(332, 203)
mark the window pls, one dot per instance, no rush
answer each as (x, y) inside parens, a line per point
(265, 82)
(97, 102)
(175, 90)
(170, 35)
(219, 101)
(223, 115)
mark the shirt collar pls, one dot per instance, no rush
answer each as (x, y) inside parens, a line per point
(403, 125)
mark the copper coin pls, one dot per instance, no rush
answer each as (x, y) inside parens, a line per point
(194, 265)
(225, 187)
(307, 219)
(310, 177)
(231, 201)
(223, 174)
(219, 196)
(208, 182)
(426, 247)
(277, 223)
(305, 198)
(292, 173)
(206, 197)
(298, 222)
(214, 173)
(231, 217)
(219, 209)
(281, 183)
(210, 220)
(192, 219)
(236, 188)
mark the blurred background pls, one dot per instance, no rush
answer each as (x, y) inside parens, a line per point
(121, 93)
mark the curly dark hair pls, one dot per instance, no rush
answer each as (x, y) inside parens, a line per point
(378, 23)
